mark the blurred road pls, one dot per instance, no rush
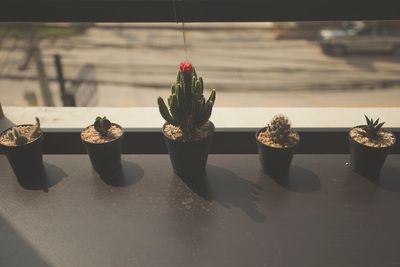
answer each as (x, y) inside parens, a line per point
(135, 63)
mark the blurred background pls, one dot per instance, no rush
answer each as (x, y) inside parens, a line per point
(303, 64)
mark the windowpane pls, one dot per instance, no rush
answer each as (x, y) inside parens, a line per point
(250, 64)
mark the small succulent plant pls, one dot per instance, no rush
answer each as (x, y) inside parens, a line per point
(36, 131)
(372, 128)
(20, 139)
(279, 129)
(187, 107)
(102, 125)
(16, 136)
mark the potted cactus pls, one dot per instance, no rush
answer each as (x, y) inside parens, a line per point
(276, 143)
(103, 143)
(188, 132)
(22, 144)
(369, 146)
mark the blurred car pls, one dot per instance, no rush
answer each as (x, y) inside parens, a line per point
(301, 29)
(360, 39)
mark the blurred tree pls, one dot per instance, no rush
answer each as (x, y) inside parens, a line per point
(34, 33)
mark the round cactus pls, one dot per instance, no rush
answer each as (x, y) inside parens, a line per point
(102, 125)
(279, 129)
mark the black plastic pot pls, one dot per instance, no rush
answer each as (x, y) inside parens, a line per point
(189, 159)
(365, 160)
(105, 157)
(25, 160)
(275, 161)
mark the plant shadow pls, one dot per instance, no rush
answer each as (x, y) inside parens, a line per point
(299, 180)
(389, 179)
(50, 176)
(229, 190)
(15, 250)
(129, 173)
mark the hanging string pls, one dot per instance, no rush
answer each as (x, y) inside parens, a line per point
(184, 40)
(183, 28)
(174, 9)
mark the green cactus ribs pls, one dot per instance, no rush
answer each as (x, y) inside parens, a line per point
(187, 107)
(102, 125)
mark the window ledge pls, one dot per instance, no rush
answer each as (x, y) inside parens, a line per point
(72, 119)
(322, 130)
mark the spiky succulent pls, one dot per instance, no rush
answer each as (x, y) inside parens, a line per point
(16, 136)
(372, 128)
(102, 125)
(279, 129)
(187, 107)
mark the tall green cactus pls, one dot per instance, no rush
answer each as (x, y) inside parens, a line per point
(187, 107)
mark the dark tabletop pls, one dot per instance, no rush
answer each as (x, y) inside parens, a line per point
(323, 215)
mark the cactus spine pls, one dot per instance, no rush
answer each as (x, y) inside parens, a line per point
(102, 125)
(279, 129)
(187, 107)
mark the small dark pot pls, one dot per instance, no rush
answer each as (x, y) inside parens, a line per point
(365, 160)
(275, 161)
(105, 157)
(25, 160)
(189, 159)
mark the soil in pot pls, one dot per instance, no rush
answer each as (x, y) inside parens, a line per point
(26, 159)
(276, 157)
(189, 153)
(367, 156)
(104, 150)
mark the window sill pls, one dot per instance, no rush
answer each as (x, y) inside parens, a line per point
(322, 130)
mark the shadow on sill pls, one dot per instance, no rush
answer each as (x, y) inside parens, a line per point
(129, 173)
(229, 190)
(51, 176)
